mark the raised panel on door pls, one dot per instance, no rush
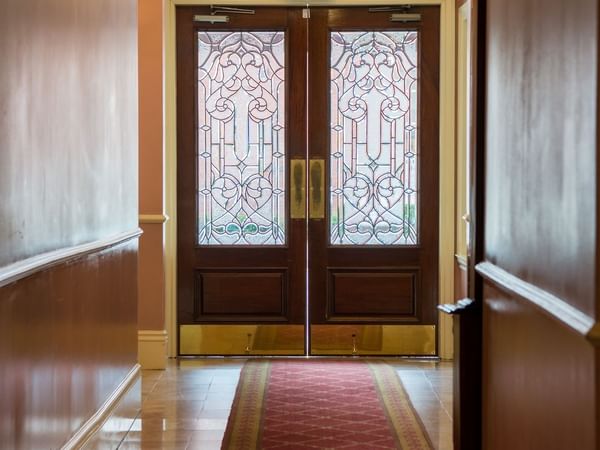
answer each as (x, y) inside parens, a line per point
(373, 127)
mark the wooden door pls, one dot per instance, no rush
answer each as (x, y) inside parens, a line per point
(241, 121)
(354, 210)
(537, 254)
(373, 127)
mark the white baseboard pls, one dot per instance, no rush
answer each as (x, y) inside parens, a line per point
(152, 349)
(94, 423)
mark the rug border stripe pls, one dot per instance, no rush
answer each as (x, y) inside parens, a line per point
(408, 429)
(245, 420)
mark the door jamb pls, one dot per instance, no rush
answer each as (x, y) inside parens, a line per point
(446, 160)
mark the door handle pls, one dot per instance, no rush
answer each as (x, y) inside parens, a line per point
(317, 189)
(298, 194)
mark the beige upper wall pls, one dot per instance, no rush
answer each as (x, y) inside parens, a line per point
(150, 47)
(151, 282)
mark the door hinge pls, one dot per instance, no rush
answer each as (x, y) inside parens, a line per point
(306, 13)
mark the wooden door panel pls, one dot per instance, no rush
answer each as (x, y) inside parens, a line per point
(232, 294)
(371, 295)
(374, 256)
(241, 119)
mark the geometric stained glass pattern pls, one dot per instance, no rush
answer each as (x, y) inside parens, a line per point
(241, 154)
(373, 193)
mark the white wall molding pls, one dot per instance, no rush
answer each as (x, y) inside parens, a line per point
(94, 423)
(21, 269)
(152, 349)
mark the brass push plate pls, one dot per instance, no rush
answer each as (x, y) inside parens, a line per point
(298, 189)
(317, 189)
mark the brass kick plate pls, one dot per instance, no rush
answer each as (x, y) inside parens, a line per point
(389, 340)
(241, 339)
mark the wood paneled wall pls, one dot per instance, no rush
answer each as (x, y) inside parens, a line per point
(539, 390)
(68, 338)
(68, 213)
(540, 243)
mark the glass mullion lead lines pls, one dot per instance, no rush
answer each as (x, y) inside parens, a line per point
(241, 140)
(373, 88)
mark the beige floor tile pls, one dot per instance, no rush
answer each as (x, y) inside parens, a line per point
(187, 405)
(207, 435)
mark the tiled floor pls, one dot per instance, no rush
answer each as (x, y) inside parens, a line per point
(186, 406)
(429, 386)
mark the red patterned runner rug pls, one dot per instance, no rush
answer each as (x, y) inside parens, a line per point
(322, 404)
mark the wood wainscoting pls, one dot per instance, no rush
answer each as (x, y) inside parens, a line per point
(538, 377)
(68, 341)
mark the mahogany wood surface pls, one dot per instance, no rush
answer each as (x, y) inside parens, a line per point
(538, 376)
(218, 293)
(540, 144)
(68, 338)
(373, 293)
(540, 383)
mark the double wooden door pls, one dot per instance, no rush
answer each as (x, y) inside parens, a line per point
(307, 180)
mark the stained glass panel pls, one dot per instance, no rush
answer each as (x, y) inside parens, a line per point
(241, 154)
(373, 191)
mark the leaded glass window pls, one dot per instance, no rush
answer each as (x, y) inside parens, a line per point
(241, 151)
(373, 165)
